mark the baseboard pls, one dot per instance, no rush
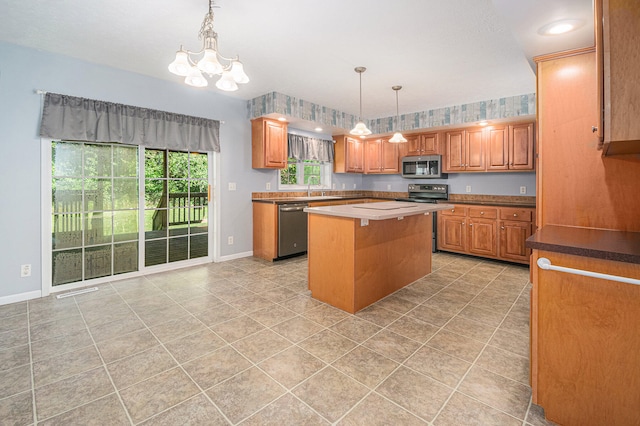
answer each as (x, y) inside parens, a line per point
(235, 256)
(20, 297)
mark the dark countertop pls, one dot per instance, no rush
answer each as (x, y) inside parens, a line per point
(287, 200)
(492, 203)
(619, 246)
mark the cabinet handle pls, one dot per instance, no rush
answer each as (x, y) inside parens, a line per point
(453, 210)
(481, 212)
(471, 224)
(515, 215)
(502, 227)
(594, 129)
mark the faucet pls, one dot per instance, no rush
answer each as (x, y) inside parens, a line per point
(309, 184)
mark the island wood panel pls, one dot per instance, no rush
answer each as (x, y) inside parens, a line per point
(390, 254)
(576, 186)
(265, 230)
(331, 254)
(353, 266)
(585, 347)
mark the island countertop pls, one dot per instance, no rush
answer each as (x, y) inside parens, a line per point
(378, 211)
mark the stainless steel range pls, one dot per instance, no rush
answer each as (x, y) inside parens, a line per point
(428, 193)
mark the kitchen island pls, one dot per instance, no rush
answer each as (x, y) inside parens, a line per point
(360, 253)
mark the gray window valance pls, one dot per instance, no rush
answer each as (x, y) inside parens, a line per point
(72, 118)
(306, 148)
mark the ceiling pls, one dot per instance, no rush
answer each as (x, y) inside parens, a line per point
(442, 52)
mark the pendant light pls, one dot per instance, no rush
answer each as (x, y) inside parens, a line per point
(360, 129)
(397, 136)
(209, 61)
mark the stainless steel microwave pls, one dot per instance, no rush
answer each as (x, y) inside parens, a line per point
(423, 167)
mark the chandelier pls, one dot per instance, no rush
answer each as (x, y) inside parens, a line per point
(397, 136)
(360, 129)
(207, 60)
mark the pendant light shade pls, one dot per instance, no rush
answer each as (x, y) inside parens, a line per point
(208, 61)
(397, 136)
(361, 128)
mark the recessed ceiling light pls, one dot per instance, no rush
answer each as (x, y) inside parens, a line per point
(560, 27)
(318, 129)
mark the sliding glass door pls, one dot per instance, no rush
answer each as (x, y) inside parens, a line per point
(94, 219)
(176, 206)
(99, 191)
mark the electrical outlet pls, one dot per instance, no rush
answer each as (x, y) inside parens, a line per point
(523, 189)
(25, 270)
(230, 241)
(333, 186)
(268, 186)
(468, 188)
(354, 186)
(232, 186)
(344, 185)
(388, 187)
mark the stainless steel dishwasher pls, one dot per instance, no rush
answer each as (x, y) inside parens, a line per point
(292, 229)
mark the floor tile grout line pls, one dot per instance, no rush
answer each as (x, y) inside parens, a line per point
(476, 360)
(178, 364)
(93, 368)
(104, 364)
(402, 364)
(33, 381)
(325, 327)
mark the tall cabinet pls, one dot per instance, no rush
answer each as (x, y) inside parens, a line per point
(585, 345)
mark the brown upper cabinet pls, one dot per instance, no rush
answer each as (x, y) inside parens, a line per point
(349, 155)
(510, 147)
(381, 156)
(618, 63)
(423, 144)
(465, 151)
(268, 144)
(500, 147)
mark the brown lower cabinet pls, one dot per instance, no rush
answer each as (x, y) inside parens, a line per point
(265, 224)
(486, 231)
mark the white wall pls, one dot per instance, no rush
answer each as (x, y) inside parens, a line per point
(22, 71)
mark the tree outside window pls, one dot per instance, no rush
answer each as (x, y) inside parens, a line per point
(299, 172)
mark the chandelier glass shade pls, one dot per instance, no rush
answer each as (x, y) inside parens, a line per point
(360, 129)
(209, 61)
(397, 136)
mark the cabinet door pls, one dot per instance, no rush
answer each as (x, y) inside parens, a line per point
(414, 144)
(275, 144)
(497, 148)
(454, 159)
(354, 155)
(482, 237)
(521, 147)
(512, 240)
(430, 143)
(372, 156)
(452, 233)
(474, 150)
(389, 157)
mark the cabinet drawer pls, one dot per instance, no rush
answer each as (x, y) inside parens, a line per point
(482, 212)
(455, 211)
(510, 213)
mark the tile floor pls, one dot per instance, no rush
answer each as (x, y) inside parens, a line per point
(242, 342)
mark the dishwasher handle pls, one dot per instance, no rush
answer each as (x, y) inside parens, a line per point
(292, 208)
